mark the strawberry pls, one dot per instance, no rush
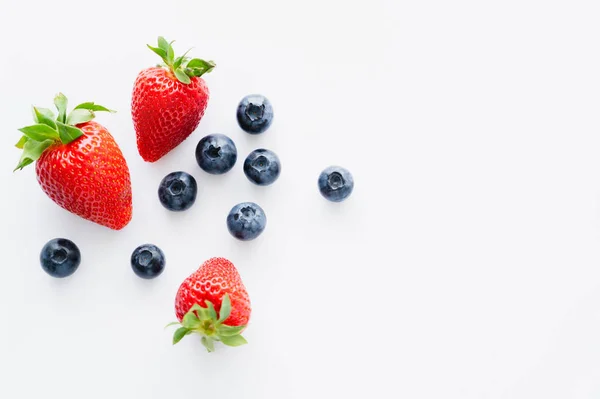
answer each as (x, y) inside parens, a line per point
(213, 302)
(168, 101)
(78, 163)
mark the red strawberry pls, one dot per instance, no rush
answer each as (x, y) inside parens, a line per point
(79, 165)
(213, 302)
(168, 101)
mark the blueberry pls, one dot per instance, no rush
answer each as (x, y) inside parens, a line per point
(177, 191)
(262, 167)
(336, 183)
(246, 221)
(148, 261)
(60, 257)
(255, 113)
(216, 154)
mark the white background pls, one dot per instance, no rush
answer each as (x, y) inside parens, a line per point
(465, 264)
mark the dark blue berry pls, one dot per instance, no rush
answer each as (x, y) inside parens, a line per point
(255, 113)
(246, 221)
(262, 167)
(336, 183)
(177, 191)
(60, 257)
(216, 154)
(148, 261)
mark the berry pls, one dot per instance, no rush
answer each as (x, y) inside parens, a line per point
(60, 257)
(216, 154)
(168, 102)
(78, 163)
(177, 191)
(213, 302)
(336, 183)
(262, 167)
(255, 113)
(246, 221)
(148, 261)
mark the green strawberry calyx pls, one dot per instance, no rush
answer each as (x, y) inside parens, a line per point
(209, 325)
(182, 67)
(50, 129)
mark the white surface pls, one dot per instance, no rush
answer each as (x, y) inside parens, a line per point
(465, 265)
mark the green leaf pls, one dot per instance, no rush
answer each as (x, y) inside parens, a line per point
(78, 116)
(94, 107)
(43, 119)
(175, 323)
(228, 331)
(198, 311)
(234, 340)
(163, 44)
(212, 313)
(208, 343)
(198, 67)
(182, 77)
(60, 101)
(68, 133)
(23, 162)
(21, 142)
(47, 113)
(39, 132)
(179, 60)
(225, 310)
(204, 315)
(32, 150)
(179, 334)
(196, 63)
(161, 53)
(170, 54)
(45, 116)
(195, 308)
(190, 320)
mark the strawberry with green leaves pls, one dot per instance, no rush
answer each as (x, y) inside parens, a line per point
(168, 101)
(78, 163)
(213, 303)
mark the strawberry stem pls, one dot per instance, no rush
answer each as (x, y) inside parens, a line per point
(182, 67)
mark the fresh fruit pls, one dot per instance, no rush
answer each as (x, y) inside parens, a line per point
(262, 167)
(336, 183)
(177, 191)
(148, 261)
(168, 101)
(246, 221)
(79, 164)
(213, 302)
(255, 114)
(60, 257)
(216, 154)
